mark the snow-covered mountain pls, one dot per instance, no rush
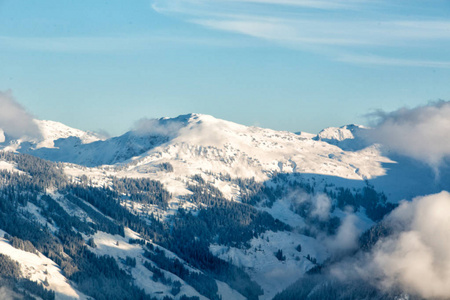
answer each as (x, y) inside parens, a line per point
(348, 137)
(311, 190)
(50, 132)
(202, 144)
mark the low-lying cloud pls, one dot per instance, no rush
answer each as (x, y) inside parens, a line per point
(421, 133)
(346, 237)
(319, 207)
(15, 121)
(157, 127)
(417, 256)
(7, 294)
(414, 258)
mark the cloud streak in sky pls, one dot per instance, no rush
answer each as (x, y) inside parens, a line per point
(105, 44)
(387, 61)
(320, 4)
(324, 32)
(358, 32)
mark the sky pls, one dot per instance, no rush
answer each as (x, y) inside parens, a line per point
(295, 65)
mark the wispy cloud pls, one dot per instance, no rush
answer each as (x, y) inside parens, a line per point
(70, 44)
(320, 4)
(331, 28)
(388, 61)
(285, 31)
(178, 5)
(106, 44)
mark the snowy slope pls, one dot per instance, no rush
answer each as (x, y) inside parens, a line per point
(270, 273)
(50, 132)
(212, 145)
(39, 268)
(200, 143)
(347, 137)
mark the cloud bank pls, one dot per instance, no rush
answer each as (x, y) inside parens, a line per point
(414, 258)
(15, 121)
(421, 133)
(417, 256)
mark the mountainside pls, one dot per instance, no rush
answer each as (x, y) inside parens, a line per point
(193, 206)
(201, 144)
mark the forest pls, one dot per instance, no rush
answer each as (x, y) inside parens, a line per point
(188, 234)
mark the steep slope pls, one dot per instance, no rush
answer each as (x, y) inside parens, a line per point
(38, 268)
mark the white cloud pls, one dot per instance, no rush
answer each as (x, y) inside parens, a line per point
(311, 30)
(15, 121)
(417, 256)
(293, 33)
(414, 258)
(421, 133)
(321, 206)
(162, 5)
(389, 61)
(158, 127)
(346, 238)
(320, 4)
(8, 294)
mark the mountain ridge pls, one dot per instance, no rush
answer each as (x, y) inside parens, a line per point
(188, 133)
(201, 144)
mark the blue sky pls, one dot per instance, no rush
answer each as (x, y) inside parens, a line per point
(284, 64)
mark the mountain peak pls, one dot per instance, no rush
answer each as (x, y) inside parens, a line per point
(348, 137)
(52, 131)
(185, 118)
(47, 133)
(339, 134)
